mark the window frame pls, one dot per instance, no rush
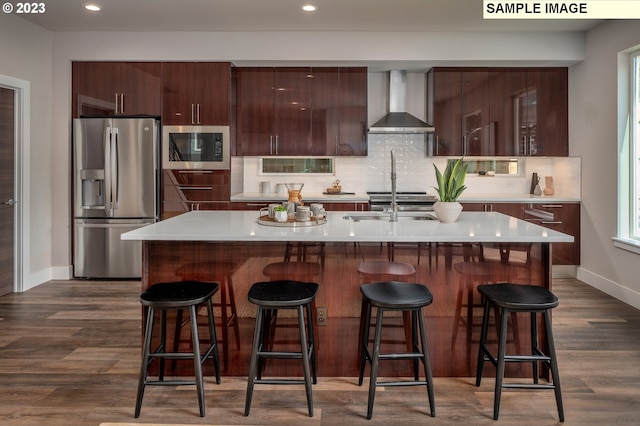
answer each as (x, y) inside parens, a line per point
(628, 233)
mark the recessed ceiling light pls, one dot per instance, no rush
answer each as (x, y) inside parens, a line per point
(93, 7)
(309, 7)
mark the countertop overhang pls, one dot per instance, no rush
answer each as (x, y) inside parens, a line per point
(229, 225)
(364, 198)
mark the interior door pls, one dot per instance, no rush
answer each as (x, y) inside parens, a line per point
(7, 185)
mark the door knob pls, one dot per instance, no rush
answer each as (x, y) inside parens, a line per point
(10, 202)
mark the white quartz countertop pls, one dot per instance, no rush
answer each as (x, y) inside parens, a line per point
(515, 198)
(364, 198)
(306, 197)
(228, 225)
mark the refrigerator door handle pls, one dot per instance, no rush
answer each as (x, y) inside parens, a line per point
(116, 170)
(107, 171)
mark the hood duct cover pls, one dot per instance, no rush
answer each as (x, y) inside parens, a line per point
(397, 120)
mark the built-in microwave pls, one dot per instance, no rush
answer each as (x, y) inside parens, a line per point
(196, 147)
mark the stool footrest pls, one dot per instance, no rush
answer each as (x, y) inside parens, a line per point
(169, 382)
(399, 356)
(528, 386)
(285, 355)
(526, 358)
(404, 383)
(280, 381)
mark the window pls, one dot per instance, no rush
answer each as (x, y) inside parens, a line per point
(629, 161)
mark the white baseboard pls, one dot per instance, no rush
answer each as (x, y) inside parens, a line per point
(624, 294)
(62, 272)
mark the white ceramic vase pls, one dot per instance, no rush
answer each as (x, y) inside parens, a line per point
(447, 212)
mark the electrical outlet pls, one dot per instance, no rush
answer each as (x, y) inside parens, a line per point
(321, 316)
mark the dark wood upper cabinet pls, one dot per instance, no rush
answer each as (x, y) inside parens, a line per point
(274, 111)
(353, 112)
(301, 111)
(116, 88)
(445, 105)
(474, 115)
(255, 111)
(550, 123)
(508, 91)
(325, 116)
(499, 111)
(196, 93)
(292, 103)
(461, 111)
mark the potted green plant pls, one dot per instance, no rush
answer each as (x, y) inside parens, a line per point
(280, 214)
(450, 186)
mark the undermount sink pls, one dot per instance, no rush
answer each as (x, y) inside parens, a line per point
(385, 217)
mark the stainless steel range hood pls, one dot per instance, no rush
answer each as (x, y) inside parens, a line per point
(398, 120)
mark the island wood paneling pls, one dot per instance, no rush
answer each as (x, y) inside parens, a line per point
(453, 349)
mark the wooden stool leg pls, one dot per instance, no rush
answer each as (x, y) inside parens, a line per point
(502, 346)
(213, 338)
(363, 339)
(197, 364)
(426, 360)
(253, 364)
(483, 341)
(375, 363)
(555, 374)
(144, 363)
(304, 349)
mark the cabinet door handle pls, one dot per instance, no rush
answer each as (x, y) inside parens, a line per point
(551, 222)
(257, 204)
(552, 206)
(276, 144)
(121, 103)
(270, 144)
(193, 113)
(117, 102)
(194, 172)
(197, 113)
(464, 145)
(195, 188)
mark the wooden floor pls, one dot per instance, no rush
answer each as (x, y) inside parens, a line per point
(69, 355)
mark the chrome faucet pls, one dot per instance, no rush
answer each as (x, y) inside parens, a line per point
(393, 211)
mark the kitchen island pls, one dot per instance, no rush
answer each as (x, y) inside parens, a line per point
(193, 244)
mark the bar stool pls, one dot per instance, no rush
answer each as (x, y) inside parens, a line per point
(177, 296)
(404, 297)
(519, 298)
(275, 295)
(380, 270)
(220, 272)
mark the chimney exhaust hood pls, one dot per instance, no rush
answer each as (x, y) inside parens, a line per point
(398, 120)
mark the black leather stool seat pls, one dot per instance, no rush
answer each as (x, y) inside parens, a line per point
(509, 298)
(178, 296)
(517, 297)
(407, 298)
(283, 293)
(270, 296)
(396, 295)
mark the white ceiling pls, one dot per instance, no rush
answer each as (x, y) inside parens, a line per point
(285, 15)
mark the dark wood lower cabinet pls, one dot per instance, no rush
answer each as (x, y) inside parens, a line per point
(453, 331)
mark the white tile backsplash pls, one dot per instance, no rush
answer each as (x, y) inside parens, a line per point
(414, 171)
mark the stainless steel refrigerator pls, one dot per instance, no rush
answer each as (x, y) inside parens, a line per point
(115, 190)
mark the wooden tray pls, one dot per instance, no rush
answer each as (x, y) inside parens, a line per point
(291, 223)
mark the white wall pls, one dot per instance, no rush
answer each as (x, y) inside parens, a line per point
(593, 134)
(25, 54)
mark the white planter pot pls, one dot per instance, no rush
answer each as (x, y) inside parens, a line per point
(447, 212)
